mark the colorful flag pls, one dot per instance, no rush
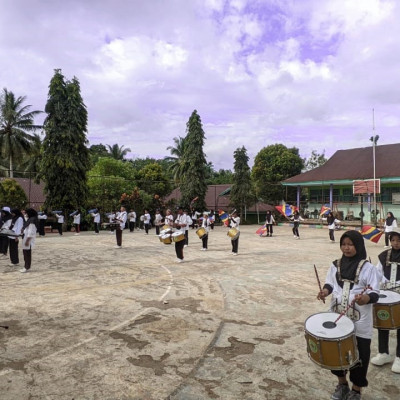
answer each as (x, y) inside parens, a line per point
(261, 230)
(325, 209)
(286, 209)
(223, 216)
(371, 233)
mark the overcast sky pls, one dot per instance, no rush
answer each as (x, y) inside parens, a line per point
(305, 73)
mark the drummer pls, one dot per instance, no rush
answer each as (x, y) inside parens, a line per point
(181, 224)
(234, 222)
(347, 278)
(206, 225)
(386, 259)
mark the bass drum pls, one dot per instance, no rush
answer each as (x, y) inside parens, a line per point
(178, 236)
(386, 311)
(331, 345)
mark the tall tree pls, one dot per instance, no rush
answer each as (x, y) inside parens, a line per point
(176, 158)
(65, 156)
(16, 121)
(315, 160)
(242, 194)
(118, 152)
(272, 165)
(33, 162)
(193, 181)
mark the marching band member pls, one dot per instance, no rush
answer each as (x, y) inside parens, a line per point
(389, 270)
(195, 215)
(206, 225)
(158, 221)
(77, 223)
(186, 229)
(111, 218)
(28, 241)
(42, 217)
(132, 220)
(269, 222)
(146, 221)
(332, 222)
(60, 222)
(180, 223)
(390, 223)
(211, 217)
(169, 218)
(16, 226)
(6, 222)
(296, 218)
(96, 221)
(234, 222)
(353, 278)
(121, 218)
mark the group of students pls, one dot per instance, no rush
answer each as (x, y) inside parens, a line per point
(16, 226)
(352, 279)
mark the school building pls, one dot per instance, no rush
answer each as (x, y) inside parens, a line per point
(345, 184)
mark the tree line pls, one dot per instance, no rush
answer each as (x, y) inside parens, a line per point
(79, 176)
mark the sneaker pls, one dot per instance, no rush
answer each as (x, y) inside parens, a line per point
(14, 265)
(117, 247)
(353, 395)
(234, 254)
(23, 270)
(295, 236)
(180, 261)
(381, 359)
(340, 392)
(76, 234)
(396, 365)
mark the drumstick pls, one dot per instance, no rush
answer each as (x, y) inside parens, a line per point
(4, 326)
(319, 282)
(352, 304)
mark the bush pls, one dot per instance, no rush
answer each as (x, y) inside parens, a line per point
(12, 194)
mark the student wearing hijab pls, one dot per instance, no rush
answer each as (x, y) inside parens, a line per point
(6, 218)
(17, 223)
(390, 223)
(389, 270)
(352, 274)
(28, 241)
(269, 222)
(332, 222)
(296, 218)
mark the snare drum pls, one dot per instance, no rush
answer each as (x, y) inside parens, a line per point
(233, 233)
(387, 310)
(178, 236)
(165, 227)
(331, 345)
(167, 231)
(166, 239)
(201, 232)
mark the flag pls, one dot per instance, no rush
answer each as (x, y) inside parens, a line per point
(371, 233)
(325, 209)
(224, 217)
(286, 209)
(261, 230)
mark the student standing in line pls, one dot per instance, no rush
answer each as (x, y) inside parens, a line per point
(180, 223)
(96, 221)
(28, 241)
(77, 223)
(121, 218)
(158, 221)
(353, 278)
(189, 222)
(296, 218)
(206, 225)
(42, 217)
(234, 222)
(60, 222)
(390, 223)
(389, 270)
(146, 221)
(17, 223)
(132, 220)
(6, 222)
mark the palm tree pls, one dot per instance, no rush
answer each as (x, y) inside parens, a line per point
(177, 152)
(118, 152)
(32, 163)
(15, 123)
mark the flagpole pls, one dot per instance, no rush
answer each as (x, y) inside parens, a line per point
(374, 140)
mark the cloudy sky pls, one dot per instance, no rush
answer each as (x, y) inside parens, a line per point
(305, 73)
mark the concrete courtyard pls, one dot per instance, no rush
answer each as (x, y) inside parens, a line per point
(93, 322)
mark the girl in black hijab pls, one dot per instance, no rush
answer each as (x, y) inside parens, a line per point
(17, 223)
(28, 242)
(390, 223)
(363, 286)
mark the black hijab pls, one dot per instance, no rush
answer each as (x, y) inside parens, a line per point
(390, 219)
(348, 265)
(330, 218)
(394, 257)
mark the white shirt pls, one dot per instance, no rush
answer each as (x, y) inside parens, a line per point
(147, 218)
(332, 225)
(188, 222)
(17, 228)
(206, 224)
(235, 222)
(42, 216)
(389, 228)
(181, 220)
(368, 276)
(29, 232)
(77, 219)
(157, 219)
(96, 218)
(60, 218)
(132, 216)
(169, 220)
(121, 217)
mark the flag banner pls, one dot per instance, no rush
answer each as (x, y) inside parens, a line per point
(223, 216)
(371, 233)
(261, 230)
(286, 209)
(325, 209)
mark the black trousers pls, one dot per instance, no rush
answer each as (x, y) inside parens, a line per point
(14, 251)
(186, 238)
(41, 227)
(4, 240)
(96, 227)
(205, 241)
(235, 245)
(131, 226)
(269, 229)
(296, 229)
(157, 229)
(118, 234)
(358, 374)
(146, 228)
(59, 227)
(332, 234)
(27, 258)
(387, 238)
(383, 341)
(179, 249)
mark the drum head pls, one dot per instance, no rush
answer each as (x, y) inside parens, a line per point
(322, 325)
(388, 297)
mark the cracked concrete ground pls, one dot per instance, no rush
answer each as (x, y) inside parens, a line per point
(93, 322)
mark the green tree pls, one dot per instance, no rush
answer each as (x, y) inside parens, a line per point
(220, 177)
(153, 181)
(176, 165)
(242, 194)
(193, 181)
(65, 156)
(315, 160)
(96, 151)
(33, 162)
(272, 165)
(16, 121)
(12, 194)
(118, 152)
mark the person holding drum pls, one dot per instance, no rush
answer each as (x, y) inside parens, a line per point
(77, 222)
(28, 240)
(206, 225)
(354, 285)
(234, 222)
(181, 224)
(60, 222)
(389, 269)
(121, 218)
(146, 221)
(158, 218)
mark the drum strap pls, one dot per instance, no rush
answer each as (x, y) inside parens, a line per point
(393, 274)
